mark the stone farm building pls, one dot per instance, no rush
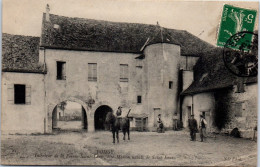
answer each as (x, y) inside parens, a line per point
(102, 65)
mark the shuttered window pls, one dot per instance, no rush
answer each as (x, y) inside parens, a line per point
(92, 71)
(19, 94)
(123, 73)
(10, 94)
(28, 94)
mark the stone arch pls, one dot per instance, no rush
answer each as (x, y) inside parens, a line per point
(96, 106)
(101, 103)
(100, 116)
(51, 109)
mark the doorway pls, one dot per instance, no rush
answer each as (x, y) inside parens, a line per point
(100, 117)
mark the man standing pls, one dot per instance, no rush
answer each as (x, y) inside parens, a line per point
(160, 127)
(202, 126)
(193, 126)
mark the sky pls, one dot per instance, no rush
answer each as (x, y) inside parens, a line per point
(201, 18)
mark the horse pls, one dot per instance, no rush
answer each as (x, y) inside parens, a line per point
(115, 125)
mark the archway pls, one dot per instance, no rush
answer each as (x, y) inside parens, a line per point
(69, 116)
(100, 116)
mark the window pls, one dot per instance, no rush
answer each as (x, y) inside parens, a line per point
(139, 99)
(92, 71)
(19, 94)
(61, 70)
(123, 73)
(239, 109)
(170, 84)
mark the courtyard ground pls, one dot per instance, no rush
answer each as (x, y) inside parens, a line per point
(144, 148)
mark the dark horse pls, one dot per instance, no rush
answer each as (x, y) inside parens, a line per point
(115, 125)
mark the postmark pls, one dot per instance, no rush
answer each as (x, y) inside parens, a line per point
(235, 20)
(240, 54)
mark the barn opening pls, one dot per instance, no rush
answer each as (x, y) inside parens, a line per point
(69, 116)
(100, 116)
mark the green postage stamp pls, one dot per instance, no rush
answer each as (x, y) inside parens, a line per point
(235, 20)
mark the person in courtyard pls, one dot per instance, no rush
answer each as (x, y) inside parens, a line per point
(175, 122)
(160, 127)
(119, 115)
(202, 126)
(119, 112)
(193, 126)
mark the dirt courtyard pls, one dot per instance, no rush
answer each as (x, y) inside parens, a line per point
(144, 148)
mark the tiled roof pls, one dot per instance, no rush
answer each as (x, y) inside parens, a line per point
(20, 53)
(87, 34)
(210, 73)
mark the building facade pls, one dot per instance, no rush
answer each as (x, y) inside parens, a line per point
(102, 65)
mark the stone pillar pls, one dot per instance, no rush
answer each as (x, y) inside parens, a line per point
(91, 123)
(54, 118)
(84, 122)
(48, 122)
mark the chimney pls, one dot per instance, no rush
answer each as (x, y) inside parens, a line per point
(47, 17)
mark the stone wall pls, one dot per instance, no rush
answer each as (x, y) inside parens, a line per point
(243, 117)
(23, 118)
(198, 103)
(148, 78)
(161, 67)
(107, 90)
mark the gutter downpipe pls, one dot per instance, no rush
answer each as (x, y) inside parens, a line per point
(45, 107)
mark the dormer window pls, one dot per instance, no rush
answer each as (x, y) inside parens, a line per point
(56, 26)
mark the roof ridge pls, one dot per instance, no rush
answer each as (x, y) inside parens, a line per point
(113, 22)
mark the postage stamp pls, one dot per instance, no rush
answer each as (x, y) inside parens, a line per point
(235, 20)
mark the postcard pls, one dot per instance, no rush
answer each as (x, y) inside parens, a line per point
(135, 82)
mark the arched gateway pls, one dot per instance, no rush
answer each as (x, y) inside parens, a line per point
(69, 118)
(54, 115)
(93, 117)
(100, 116)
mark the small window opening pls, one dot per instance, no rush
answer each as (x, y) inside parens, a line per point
(19, 94)
(61, 74)
(139, 99)
(170, 84)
